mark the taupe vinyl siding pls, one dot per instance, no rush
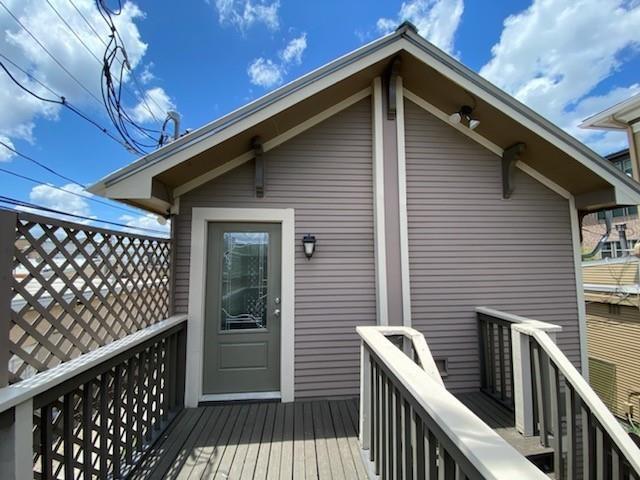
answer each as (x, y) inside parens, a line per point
(325, 174)
(616, 339)
(468, 247)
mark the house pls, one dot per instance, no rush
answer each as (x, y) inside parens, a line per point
(390, 195)
(612, 293)
(408, 209)
(625, 222)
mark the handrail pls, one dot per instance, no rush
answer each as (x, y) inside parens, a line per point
(420, 348)
(510, 317)
(588, 396)
(462, 441)
(29, 388)
(552, 399)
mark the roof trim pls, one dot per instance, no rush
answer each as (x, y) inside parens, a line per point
(617, 117)
(405, 38)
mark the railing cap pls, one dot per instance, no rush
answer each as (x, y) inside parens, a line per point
(31, 387)
(517, 319)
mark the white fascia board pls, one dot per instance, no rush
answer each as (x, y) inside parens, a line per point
(482, 92)
(614, 118)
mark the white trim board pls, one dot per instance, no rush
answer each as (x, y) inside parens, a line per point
(402, 206)
(234, 397)
(197, 280)
(382, 304)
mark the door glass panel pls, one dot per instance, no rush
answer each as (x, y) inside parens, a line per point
(244, 280)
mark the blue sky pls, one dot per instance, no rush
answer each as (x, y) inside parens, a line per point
(565, 58)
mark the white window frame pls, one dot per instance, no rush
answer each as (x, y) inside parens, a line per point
(200, 218)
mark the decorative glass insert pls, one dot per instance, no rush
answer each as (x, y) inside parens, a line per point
(244, 280)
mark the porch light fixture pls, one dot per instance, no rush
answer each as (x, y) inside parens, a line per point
(309, 244)
(464, 115)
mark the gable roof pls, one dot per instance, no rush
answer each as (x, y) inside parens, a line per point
(429, 73)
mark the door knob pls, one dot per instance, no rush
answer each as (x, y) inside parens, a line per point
(276, 312)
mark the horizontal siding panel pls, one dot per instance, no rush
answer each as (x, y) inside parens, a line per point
(325, 174)
(468, 247)
(615, 338)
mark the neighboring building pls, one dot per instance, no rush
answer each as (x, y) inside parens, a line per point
(378, 156)
(593, 225)
(612, 293)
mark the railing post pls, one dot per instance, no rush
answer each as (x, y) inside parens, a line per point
(522, 386)
(365, 397)
(8, 221)
(16, 442)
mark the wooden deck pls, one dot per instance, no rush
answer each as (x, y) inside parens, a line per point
(301, 440)
(502, 420)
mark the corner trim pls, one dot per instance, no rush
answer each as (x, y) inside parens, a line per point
(402, 206)
(380, 242)
(197, 276)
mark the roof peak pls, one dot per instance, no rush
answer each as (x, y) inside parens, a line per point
(406, 25)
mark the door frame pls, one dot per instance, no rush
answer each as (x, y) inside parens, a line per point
(200, 218)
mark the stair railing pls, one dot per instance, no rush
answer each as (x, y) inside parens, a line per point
(554, 401)
(412, 427)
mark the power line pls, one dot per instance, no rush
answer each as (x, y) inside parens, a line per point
(71, 192)
(60, 100)
(20, 203)
(86, 47)
(71, 75)
(42, 165)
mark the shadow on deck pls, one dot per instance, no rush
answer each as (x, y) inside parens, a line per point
(305, 439)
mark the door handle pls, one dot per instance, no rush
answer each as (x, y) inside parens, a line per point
(276, 312)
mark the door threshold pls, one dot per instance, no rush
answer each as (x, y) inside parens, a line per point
(239, 397)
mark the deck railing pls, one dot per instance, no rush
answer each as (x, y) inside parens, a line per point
(67, 289)
(412, 427)
(554, 401)
(97, 415)
(496, 367)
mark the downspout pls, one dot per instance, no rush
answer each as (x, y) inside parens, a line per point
(608, 217)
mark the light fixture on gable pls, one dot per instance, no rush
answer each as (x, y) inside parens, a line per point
(464, 116)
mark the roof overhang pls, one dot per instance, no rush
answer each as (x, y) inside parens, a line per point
(618, 117)
(154, 181)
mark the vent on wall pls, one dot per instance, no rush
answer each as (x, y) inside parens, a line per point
(602, 377)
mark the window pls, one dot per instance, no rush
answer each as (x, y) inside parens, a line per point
(621, 212)
(614, 309)
(613, 249)
(623, 164)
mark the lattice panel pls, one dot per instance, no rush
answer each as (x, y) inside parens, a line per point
(102, 428)
(77, 288)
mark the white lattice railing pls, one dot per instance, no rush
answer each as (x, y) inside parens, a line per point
(67, 289)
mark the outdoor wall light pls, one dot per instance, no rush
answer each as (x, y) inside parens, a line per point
(309, 244)
(465, 114)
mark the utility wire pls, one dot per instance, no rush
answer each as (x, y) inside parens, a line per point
(60, 100)
(20, 203)
(71, 75)
(41, 165)
(86, 47)
(71, 192)
(133, 76)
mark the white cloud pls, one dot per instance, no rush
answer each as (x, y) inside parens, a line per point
(147, 75)
(18, 121)
(436, 20)
(292, 53)
(6, 154)
(153, 106)
(47, 196)
(555, 53)
(264, 73)
(148, 221)
(245, 13)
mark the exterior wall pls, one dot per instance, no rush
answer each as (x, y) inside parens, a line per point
(325, 174)
(615, 338)
(468, 247)
(593, 229)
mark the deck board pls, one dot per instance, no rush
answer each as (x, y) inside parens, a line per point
(502, 421)
(313, 439)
